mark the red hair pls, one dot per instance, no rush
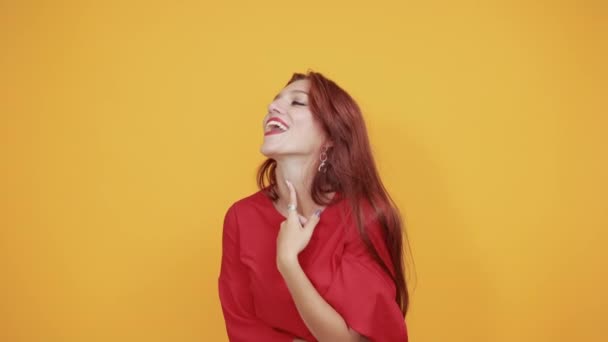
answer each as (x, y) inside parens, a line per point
(351, 171)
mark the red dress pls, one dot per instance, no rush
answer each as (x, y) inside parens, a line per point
(256, 303)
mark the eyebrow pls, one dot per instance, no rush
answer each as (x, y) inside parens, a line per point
(291, 91)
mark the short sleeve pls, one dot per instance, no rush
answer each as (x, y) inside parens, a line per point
(237, 304)
(363, 293)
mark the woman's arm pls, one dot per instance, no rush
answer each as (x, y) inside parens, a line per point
(322, 320)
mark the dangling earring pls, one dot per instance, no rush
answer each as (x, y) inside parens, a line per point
(323, 158)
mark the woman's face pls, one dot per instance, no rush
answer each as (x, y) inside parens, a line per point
(289, 127)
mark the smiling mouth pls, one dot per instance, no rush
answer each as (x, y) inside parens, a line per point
(274, 127)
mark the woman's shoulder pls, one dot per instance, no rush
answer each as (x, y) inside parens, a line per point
(252, 218)
(257, 202)
(255, 198)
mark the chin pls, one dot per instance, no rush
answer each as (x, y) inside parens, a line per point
(268, 152)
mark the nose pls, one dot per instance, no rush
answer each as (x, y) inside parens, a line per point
(274, 108)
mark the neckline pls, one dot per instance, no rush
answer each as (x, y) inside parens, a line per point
(334, 201)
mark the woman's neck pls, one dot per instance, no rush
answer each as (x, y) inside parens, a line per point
(300, 176)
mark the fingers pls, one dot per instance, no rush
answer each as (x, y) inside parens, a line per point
(313, 220)
(292, 193)
(292, 199)
(310, 222)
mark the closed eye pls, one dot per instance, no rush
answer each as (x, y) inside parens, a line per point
(298, 103)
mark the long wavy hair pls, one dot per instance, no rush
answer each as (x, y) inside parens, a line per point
(351, 171)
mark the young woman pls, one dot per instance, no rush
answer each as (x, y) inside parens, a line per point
(317, 253)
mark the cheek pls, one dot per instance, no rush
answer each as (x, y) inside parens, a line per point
(308, 129)
(306, 122)
(316, 129)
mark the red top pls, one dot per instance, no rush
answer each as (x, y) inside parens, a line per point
(256, 303)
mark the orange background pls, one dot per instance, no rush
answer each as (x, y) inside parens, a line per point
(128, 128)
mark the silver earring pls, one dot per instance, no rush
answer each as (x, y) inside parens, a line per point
(323, 159)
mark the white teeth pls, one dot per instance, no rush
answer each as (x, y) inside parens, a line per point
(273, 123)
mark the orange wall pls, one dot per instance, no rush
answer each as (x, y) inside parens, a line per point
(127, 129)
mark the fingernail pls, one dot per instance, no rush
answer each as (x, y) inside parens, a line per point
(318, 212)
(287, 182)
